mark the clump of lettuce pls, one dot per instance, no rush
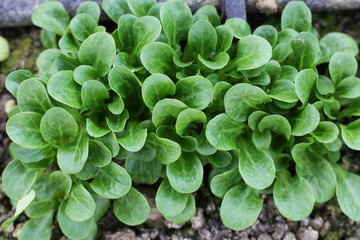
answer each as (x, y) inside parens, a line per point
(168, 92)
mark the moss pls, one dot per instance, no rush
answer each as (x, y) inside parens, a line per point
(332, 236)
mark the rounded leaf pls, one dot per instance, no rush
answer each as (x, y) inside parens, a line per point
(155, 88)
(80, 205)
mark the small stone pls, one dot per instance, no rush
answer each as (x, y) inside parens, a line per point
(198, 220)
(353, 238)
(308, 234)
(289, 236)
(317, 223)
(163, 236)
(210, 208)
(171, 225)
(205, 234)
(305, 222)
(123, 234)
(17, 230)
(264, 236)
(280, 230)
(325, 229)
(174, 237)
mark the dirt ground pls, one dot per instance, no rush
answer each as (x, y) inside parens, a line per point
(326, 222)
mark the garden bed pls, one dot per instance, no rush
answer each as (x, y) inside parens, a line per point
(326, 222)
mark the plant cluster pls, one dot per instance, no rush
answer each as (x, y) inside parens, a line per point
(167, 93)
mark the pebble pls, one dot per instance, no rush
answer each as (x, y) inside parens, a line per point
(17, 230)
(264, 236)
(123, 234)
(289, 236)
(171, 225)
(317, 223)
(198, 221)
(308, 234)
(325, 229)
(204, 234)
(280, 230)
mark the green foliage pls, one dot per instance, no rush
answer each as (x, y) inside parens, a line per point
(168, 93)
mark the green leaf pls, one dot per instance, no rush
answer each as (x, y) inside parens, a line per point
(146, 30)
(112, 181)
(185, 175)
(99, 51)
(90, 8)
(218, 95)
(242, 99)
(239, 26)
(222, 132)
(132, 209)
(220, 61)
(306, 122)
(255, 118)
(155, 88)
(93, 94)
(68, 43)
(140, 7)
(342, 65)
(21, 205)
(26, 155)
(187, 143)
(351, 134)
(64, 89)
(71, 228)
(224, 38)
(194, 91)
(304, 82)
(117, 122)
(63, 182)
(40, 228)
(71, 157)
(188, 212)
(123, 81)
(336, 42)
(305, 50)
(84, 73)
(117, 105)
(268, 32)
(48, 39)
(252, 52)
(176, 13)
(211, 12)
(256, 167)
(296, 15)
(326, 132)
(293, 196)
(51, 16)
(168, 201)
(58, 126)
(94, 129)
(89, 171)
(24, 130)
(277, 124)
(177, 58)
(110, 141)
(220, 159)
(283, 90)
(82, 26)
(146, 154)
(157, 57)
(167, 151)
(262, 140)
(319, 173)
(324, 85)
(144, 172)
(125, 32)
(46, 63)
(187, 117)
(166, 111)
(240, 207)
(115, 8)
(15, 78)
(348, 88)
(133, 138)
(32, 96)
(221, 183)
(80, 205)
(38, 209)
(202, 38)
(99, 155)
(347, 192)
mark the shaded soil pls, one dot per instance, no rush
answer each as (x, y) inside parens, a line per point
(326, 222)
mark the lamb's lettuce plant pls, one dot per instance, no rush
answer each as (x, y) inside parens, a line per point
(168, 92)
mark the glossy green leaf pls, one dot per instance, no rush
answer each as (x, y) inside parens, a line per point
(305, 50)
(89, 171)
(306, 122)
(40, 228)
(51, 16)
(110, 141)
(220, 61)
(351, 135)
(348, 88)
(304, 82)
(123, 81)
(99, 154)
(117, 105)
(240, 207)
(99, 51)
(69, 44)
(296, 15)
(133, 138)
(140, 7)
(202, 38)
(144, 172)
(93, 94)
(268, 32)
(157, 57)
(222, 132)
(26, 155)
(242, 99)
(188, 212)
(38, 209)
(111, 182)
(24, 130)
(324, 85)
(63, 182)
(221, 183)
(176, 13)
(187, 117)
(115, 8)
(326, 132)
(185, 175)
(166, 111)
(155, 88)
(167, 151)
(224, 38)
(239, 26)
(46, 63)
(84, 73)
(187, 143)
(277, 124)
(220, 159)
(293, 196)
(63, 88)
(71, 157)
(283, 90)
(90, 8)
(80, 205)
(58, 126)
(256, 166)
(342, 65)
(15, 78)
(94, 130)
(82, 26)
(194, 91)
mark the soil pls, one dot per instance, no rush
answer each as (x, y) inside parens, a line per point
(326, 222)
